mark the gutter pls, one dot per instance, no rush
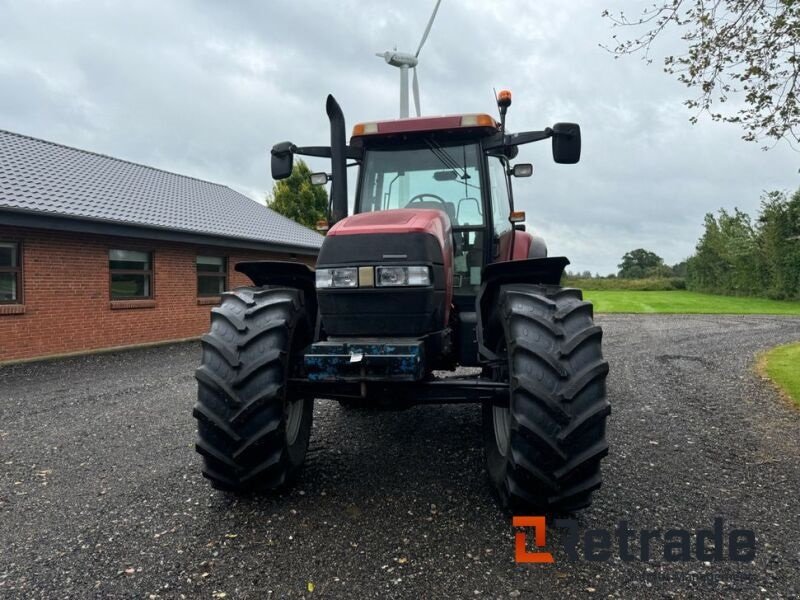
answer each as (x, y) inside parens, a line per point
(42, 220)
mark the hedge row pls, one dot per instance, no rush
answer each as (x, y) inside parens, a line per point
(737, 256)
(649, 284)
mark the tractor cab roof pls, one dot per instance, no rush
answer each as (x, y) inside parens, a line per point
(455, 126)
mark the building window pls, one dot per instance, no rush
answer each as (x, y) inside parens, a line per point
(10, 273)
(212, 275)
(131, 274)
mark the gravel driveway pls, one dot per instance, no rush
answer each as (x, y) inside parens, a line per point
(100, 493)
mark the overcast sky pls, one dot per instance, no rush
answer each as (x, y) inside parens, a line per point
(205, 88)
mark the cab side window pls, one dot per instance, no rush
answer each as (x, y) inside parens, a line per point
(501, 205)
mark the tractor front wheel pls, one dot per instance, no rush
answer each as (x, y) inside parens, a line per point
(251, 430)
(544, 446)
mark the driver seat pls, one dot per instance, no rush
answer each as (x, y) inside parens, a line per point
(448, 207)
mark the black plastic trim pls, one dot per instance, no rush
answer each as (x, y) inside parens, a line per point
(282, 273)
(542, 271)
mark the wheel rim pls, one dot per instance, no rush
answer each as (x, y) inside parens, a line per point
(294, 417)
(501, 418)
(501, 415)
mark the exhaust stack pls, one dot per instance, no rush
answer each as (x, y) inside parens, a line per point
(338, 200)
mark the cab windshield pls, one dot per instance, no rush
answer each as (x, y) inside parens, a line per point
(442, 177)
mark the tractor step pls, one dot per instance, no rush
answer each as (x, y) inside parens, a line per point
(355, 361)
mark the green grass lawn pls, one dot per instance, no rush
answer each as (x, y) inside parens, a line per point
(782, 365)
(679, 301)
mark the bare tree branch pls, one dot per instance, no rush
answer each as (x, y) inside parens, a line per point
(739, 52)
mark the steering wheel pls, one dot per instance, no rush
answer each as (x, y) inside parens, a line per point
(419, 198)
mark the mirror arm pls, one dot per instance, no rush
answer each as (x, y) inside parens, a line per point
(501, 141)
(319, 151)
(526, 137)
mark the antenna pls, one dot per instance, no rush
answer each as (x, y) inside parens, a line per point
(405, 61)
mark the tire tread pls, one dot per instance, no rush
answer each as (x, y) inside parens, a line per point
(558, 399)
(241, 387)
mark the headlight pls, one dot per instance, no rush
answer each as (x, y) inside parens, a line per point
(402, 276)
(346, 277)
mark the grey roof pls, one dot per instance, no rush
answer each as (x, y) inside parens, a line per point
(41, 177)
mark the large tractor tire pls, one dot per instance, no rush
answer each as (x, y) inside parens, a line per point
(253, 434)
(544, 448)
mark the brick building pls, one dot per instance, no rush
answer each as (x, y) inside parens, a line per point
(97, 252)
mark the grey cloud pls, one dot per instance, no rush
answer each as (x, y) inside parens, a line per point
(204, 88)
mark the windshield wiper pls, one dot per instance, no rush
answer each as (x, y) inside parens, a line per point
(451, 163)
(447, 160)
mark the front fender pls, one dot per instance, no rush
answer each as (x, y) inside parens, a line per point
(541, 271)
(287, 274)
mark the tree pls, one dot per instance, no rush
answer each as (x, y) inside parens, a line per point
(736, 256)
(778, 228)
(640, 263)
(295, 197)
(740, 50)
(679, 269)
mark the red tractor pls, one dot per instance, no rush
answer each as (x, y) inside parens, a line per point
(433, 271)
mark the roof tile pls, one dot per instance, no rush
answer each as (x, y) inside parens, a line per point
(41, 176)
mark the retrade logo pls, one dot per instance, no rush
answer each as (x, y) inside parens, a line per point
(598, 545)
(521, 553)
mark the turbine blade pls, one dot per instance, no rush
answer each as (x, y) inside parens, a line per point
(428, 28)
(415, 87)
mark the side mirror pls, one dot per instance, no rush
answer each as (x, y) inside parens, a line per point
(282, 160)
(522, 170)
(566, 143)
(319, 178)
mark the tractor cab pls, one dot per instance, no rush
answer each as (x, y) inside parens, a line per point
(440, 164)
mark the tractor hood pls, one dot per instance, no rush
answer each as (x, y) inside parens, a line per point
(401, 220)
(412, 237)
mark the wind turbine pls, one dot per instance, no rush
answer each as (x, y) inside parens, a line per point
(404, 62)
